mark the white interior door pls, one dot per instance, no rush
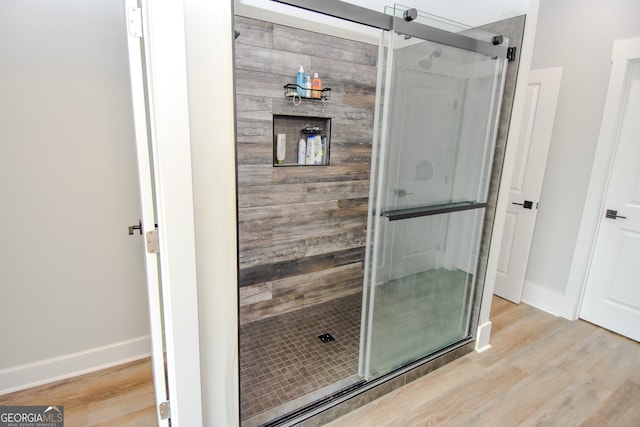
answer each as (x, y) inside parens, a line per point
(612, 293)
(526, 183)
(148, 220)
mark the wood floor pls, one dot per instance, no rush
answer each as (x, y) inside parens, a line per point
(541, 371)
(119, 396)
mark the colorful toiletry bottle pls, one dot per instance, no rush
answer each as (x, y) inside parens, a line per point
(302, 151)
(301, 82)
(316, 86)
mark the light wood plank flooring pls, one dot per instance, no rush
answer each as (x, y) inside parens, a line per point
(118, 396)
(541, 371)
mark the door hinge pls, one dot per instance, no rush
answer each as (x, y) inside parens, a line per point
(511, 53)
(134, 21)
(164, 410)
(153, 247)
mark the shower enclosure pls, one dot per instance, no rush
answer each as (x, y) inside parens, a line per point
(430, 180)
(438, 95)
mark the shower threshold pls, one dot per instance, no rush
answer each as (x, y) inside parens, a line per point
(279, 415)
(337, 404)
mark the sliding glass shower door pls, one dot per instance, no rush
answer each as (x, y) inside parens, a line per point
(432, 167)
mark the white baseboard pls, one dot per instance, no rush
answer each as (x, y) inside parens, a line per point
(74, 364)
(482, 337)
(544, 299)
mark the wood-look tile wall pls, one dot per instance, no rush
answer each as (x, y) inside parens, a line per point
(301, 228)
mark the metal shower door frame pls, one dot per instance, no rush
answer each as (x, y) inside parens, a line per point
(371, 18)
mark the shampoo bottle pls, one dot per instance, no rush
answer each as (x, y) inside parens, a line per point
(311, 151)
(302, 150)
(308, 86)
(301, 82)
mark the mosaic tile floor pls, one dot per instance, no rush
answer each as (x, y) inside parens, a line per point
(282, 358)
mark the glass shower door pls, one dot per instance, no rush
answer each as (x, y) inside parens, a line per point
(433, 166)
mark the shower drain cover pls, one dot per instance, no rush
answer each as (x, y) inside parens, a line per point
(326, 338)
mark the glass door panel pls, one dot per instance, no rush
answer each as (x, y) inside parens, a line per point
(424, 303)
(432, 168)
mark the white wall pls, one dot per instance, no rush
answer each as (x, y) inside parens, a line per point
(577, 35)
(209, 48)
(71, 280)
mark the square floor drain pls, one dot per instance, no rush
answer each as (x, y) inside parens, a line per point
(326, 338)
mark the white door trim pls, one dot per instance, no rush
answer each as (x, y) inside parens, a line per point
(623, 51)
(165, 55)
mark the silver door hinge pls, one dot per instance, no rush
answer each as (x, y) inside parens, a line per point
(164, 410)
(153, 246)
(134, 21)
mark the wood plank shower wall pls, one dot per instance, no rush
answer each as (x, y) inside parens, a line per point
(301, 228)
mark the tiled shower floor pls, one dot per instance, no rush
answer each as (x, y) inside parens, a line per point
(284, 365)
(282, 358)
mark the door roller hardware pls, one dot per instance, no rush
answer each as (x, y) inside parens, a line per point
(611, 214)
(527, 204)
(410, 14)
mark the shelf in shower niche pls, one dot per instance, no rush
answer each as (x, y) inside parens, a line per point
(427, 210)
(295, 128)
(291, 90)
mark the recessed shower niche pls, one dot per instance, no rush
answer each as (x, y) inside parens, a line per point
(302, 134)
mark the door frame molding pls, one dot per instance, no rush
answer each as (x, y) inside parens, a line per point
(167, 97)
(623, 51)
